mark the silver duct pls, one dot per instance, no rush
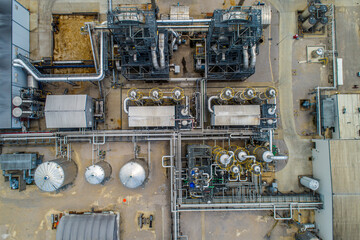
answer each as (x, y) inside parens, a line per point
(246, 57)
(66, 78)
(253, 56)
(209, 103)
(161, 49)
(154, 58)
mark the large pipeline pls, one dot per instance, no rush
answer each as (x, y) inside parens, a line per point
(68, 78)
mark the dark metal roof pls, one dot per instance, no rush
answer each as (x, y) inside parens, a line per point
(97, 226)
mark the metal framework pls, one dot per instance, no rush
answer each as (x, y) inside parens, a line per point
(139, 44)
(243, 199)
(233, 36)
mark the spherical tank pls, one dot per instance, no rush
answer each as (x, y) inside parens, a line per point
(98, 173)
(134, 173)
(53, 175)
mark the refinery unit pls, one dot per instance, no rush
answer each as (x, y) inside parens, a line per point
(128, 120)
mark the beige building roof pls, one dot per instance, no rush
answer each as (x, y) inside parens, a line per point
(348, 116)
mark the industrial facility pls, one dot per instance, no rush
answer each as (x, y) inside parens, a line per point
(179, 119)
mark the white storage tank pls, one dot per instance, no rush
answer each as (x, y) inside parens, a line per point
(53, 175)
(98, 173)
(134, 173)
(310, 183)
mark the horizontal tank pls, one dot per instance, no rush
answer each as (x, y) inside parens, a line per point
(307, 12)
(310, 183)
(262, 154)
(134, 173)
(309, 23)
(98, 173)
(53, 175)
(320, 24)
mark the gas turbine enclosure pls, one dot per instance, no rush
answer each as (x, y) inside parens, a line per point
(69, 111)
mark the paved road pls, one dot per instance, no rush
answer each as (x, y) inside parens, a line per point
(299, 149)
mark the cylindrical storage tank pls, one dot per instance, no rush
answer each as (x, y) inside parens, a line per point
(53, 175)
(18, 112)
(308, 23)
(98, 173)
(307, 12)
(310, 183)
(320, 24)
(134, 173)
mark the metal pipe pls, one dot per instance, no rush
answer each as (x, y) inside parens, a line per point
(125, 105)
(246, 57)
(183, 21)
(161, 50)
(68, 62)
(183, 79)
(93, 48)
(80, 78)
(110, 6)
(279, 158)
(197, 27)
(209, 102)
(253, 56)
(176, 35)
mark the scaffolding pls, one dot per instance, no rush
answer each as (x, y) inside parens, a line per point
(139, 44)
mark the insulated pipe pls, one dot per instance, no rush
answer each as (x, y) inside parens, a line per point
(125, 105)
(161, 49)
(246, 57)
(209, 102)
(93, 48)
(110, 5)
(184, 21)
(279, 158)
(176, 35)
(253, 56)
(77, 78)
(154, 58)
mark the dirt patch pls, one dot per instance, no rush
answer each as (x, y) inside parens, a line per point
(70, 44)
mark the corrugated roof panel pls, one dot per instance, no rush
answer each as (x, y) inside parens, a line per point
(152, 116)
(88, 227)
(236, 115)
(65, 102)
